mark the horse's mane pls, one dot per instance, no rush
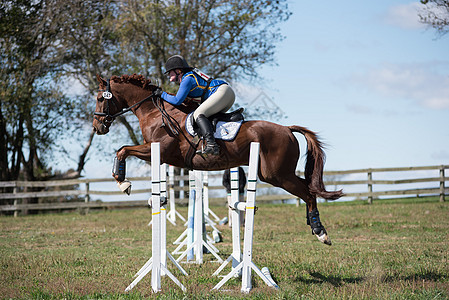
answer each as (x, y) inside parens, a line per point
(135, 79)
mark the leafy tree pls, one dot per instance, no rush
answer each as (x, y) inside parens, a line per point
(45, 45)
(30, 106)
(88, 40)
(226, 38)
(436, 14)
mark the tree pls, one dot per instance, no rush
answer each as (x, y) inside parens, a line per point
(45, 44)
(30, 106)
(436, 14)
(226, 38)
(88, 39)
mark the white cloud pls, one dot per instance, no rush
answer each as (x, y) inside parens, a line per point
(426, 83)
(405, 16)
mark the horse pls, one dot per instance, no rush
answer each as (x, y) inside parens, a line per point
(165, 123)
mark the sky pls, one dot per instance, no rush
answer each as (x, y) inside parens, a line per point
(369, 78)
(365, 75)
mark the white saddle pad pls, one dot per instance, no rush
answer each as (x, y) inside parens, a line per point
(225, 130)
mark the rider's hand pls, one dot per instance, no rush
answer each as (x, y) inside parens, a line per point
(157, 92)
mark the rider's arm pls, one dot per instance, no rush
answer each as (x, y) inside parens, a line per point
(184, 88)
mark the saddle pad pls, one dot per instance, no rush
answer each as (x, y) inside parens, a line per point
(225, 131)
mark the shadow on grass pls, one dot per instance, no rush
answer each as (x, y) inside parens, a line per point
(336, 281)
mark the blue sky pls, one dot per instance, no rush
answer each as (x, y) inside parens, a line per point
(369, 78)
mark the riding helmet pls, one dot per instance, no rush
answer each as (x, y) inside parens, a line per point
(176, 62)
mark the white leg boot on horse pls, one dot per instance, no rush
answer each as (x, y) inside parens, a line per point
(118, 172)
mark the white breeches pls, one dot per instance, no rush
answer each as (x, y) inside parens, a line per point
(220, 101)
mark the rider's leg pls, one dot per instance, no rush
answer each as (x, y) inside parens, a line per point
(207, 132)
(220, 101)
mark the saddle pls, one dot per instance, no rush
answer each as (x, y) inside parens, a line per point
(225, 125)
(233, 116)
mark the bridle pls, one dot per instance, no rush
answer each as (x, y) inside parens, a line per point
(108, 97)
(167, 119)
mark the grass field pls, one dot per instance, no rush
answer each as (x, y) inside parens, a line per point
(393, 249)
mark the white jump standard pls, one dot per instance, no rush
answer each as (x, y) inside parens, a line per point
(196, 186)
(199, 239)
(247, 265)
(155, 263)
(171, 215)
(236, 256)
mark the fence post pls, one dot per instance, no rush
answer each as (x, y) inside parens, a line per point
(442, 179)
(86, 199)
(16, 212)
(370, 186)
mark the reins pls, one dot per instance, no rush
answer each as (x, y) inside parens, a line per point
(173, 124)
(167, 120)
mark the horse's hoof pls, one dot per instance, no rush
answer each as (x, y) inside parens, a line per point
(125, 186)
(324, 238)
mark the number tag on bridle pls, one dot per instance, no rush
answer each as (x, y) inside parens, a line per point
(107, 95)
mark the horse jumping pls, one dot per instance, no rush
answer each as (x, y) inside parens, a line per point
(164, 123)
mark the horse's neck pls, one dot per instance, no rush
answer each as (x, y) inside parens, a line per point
(149, 110)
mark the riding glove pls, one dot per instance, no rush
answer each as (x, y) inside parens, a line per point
(157, 92)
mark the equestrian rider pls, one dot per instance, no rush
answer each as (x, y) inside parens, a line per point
(215, 96)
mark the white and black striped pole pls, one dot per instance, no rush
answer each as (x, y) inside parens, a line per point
(236, 255)
(155, 264)
(247, 265)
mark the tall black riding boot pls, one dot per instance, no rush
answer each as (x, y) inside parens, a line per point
(207, 132)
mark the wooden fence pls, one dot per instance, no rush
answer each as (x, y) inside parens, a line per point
(54, 195)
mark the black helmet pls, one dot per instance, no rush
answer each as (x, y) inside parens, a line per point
(176, 62)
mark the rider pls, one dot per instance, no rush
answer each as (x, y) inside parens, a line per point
(215, 96)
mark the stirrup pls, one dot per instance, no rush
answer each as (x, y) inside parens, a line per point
(212, 150)
(209, 149)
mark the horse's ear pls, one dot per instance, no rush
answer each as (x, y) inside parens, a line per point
(101, 80)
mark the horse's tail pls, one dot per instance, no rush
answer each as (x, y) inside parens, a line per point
(315, 165)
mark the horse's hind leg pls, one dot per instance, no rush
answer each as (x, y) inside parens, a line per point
(298, 187)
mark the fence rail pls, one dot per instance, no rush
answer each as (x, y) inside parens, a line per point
(59, 189)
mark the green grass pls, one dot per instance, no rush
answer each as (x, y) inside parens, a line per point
(393, 249)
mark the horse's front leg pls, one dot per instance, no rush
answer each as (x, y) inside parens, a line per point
(119, 169)
(140, 151)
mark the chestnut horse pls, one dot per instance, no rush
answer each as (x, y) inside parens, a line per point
(164, 123)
